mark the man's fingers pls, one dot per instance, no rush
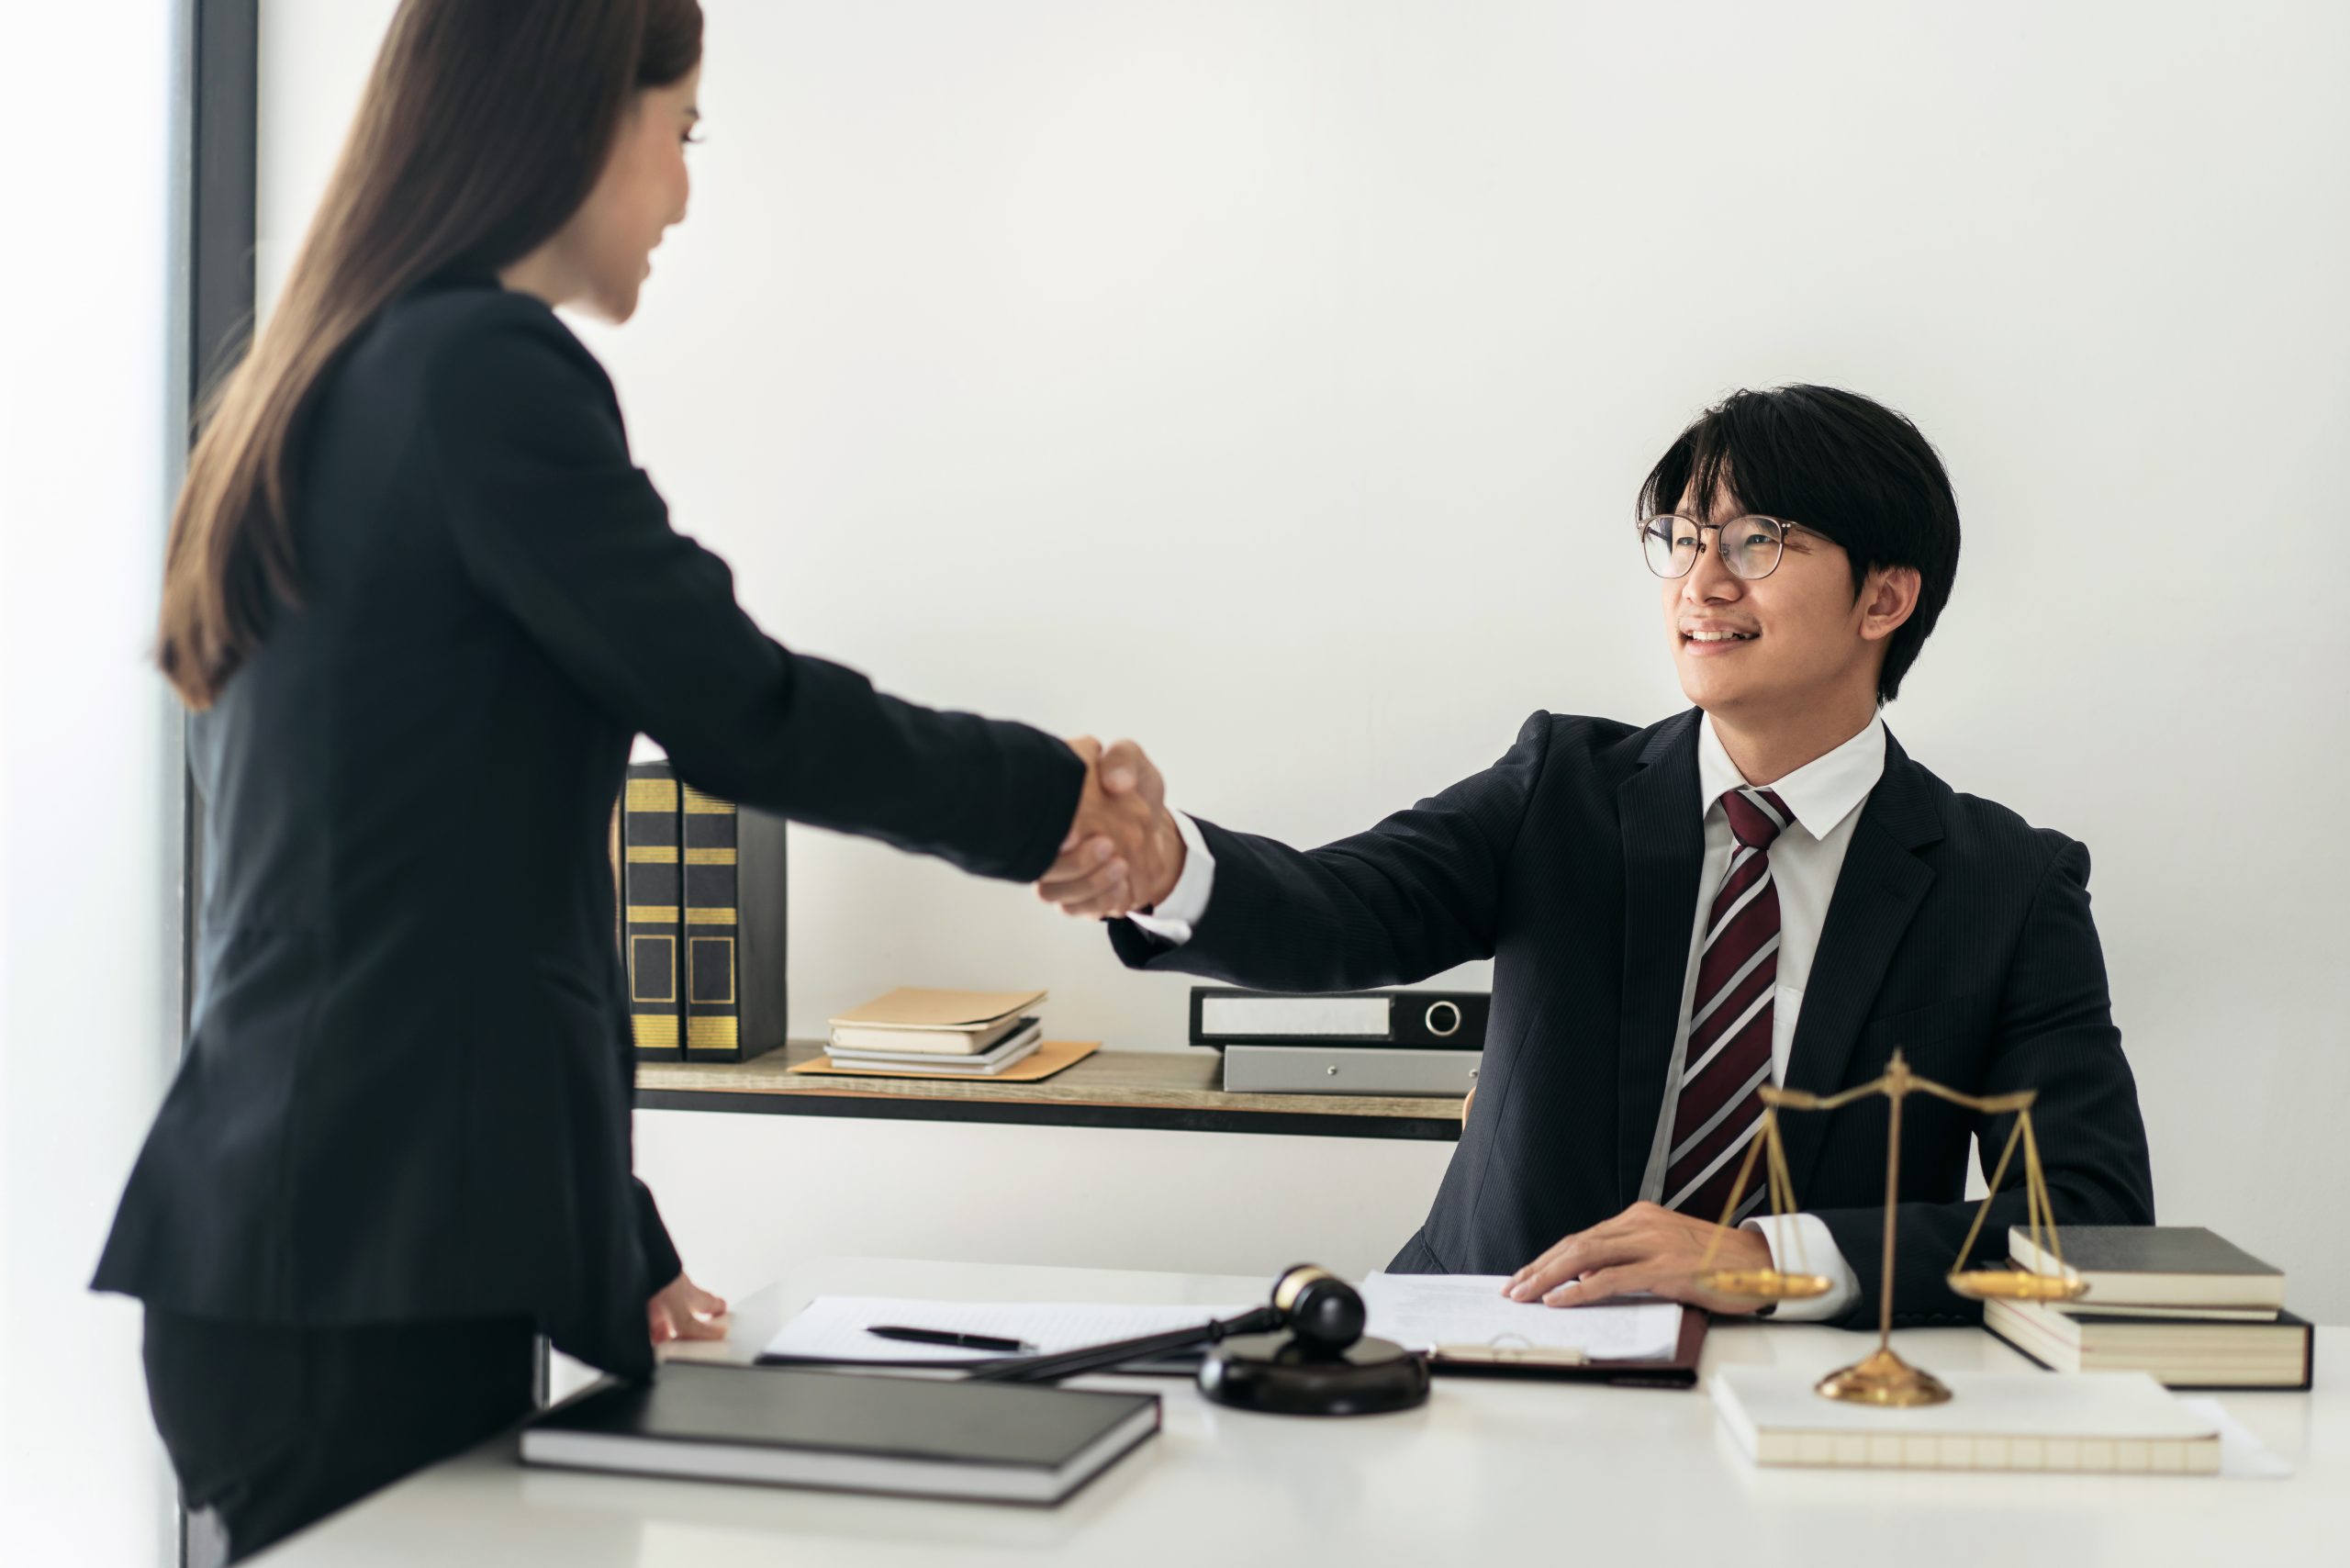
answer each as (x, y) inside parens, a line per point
(1080, 860)
(1564, 1248)
(1110, 902)
(1592, 1250)
(1078, 894)
(1605, 1231)
(1601, 1283)
(1544, 1260)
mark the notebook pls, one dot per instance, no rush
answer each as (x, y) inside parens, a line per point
(1011, 1048)
(944, 1023)
(781, 1426)
(2094, 1421)
(2157, 1265)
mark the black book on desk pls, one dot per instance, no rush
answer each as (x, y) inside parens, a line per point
(845, 1431)
(703, 896)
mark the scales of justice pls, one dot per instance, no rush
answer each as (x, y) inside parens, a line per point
(1882, 1377)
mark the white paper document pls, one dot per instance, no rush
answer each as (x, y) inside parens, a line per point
(833, 1327)
(1420, 1312)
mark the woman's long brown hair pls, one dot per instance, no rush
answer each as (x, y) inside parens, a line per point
(484, 125)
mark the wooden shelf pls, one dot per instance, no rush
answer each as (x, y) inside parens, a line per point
(1173, 1091)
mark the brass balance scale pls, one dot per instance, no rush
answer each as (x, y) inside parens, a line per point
(1882, 1377)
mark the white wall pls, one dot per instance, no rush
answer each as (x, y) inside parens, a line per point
(89, 758)
(1270, 379)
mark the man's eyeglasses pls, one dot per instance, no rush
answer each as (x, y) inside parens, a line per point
(1750, 546)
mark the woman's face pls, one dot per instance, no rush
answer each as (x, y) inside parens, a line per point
(603, 255)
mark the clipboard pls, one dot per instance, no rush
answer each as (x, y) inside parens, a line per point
(1676, 1371)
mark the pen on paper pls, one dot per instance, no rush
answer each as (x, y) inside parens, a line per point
(961, 1341)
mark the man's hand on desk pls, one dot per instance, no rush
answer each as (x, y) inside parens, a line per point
(683, 1310)
(1647, 1248)
(1124, 852)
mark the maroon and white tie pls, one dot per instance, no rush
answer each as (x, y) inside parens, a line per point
(1729, 1060)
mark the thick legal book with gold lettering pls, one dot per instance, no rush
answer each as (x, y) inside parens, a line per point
(706, 943)
(652, 898)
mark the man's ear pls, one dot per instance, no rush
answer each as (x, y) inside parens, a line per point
(1888, 597)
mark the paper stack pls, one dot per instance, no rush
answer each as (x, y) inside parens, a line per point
(946, 1034)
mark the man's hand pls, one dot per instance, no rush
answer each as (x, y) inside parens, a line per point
(1123, 852)
(683, 1310)
(1646, 1247)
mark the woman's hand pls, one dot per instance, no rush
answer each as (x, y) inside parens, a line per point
(683, 1310)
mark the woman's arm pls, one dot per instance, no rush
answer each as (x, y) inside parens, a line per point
(556, 524)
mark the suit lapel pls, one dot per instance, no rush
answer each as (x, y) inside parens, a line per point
(1878, 892)
(1664, 846)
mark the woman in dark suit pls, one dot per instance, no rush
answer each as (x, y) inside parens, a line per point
(421, 600)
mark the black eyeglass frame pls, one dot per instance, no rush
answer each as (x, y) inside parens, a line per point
(1721, 532)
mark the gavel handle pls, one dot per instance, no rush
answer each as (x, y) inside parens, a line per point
(1094, 1358)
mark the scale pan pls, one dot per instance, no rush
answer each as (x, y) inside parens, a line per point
(2016, 1284)
(1763, 1284)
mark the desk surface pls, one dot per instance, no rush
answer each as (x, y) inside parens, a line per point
(1486, 1471)
(1164, 1090)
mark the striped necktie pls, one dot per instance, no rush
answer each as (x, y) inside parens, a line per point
(1729, 1060)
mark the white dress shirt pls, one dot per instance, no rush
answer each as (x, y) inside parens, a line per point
(1824, 796)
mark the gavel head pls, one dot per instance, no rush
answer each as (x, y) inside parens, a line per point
(1323, 1313)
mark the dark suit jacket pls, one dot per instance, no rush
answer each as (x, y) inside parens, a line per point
(406, 1091)
(1957, 931)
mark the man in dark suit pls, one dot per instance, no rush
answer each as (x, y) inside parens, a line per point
(1765, 888)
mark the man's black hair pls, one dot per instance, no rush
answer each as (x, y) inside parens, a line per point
(1839, 463)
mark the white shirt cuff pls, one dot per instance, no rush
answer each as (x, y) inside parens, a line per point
(1184, 907)
(1811, 1249)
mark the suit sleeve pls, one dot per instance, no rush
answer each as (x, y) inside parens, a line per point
(1411, 897)
(556, 525)
(662, 1264)
(2054, 1033)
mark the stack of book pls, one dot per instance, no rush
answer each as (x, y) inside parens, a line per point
(945, 1034)
(2175, 1301)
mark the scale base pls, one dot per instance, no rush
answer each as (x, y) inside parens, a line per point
(1268, 1372)
(1882, 1378)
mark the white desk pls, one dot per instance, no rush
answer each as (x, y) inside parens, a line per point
(1486, 1473)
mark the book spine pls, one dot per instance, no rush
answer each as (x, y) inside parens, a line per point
(653, 897)
(711, 877)
(761, 966)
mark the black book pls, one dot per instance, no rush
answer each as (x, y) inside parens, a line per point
(845, 1431)
(704, 918)
(2179, 1352)
(732, 881)
(2156, 1265)
(651, 891)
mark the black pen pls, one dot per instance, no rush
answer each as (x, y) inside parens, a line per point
(962, 1342)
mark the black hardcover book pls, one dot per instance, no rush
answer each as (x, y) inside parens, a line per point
(651, 894)
(856, 1432)
(734, 928)
(704, 908)
(2178, 1352)
(2156, 1265)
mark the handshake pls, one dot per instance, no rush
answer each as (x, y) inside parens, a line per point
(1123, 852)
